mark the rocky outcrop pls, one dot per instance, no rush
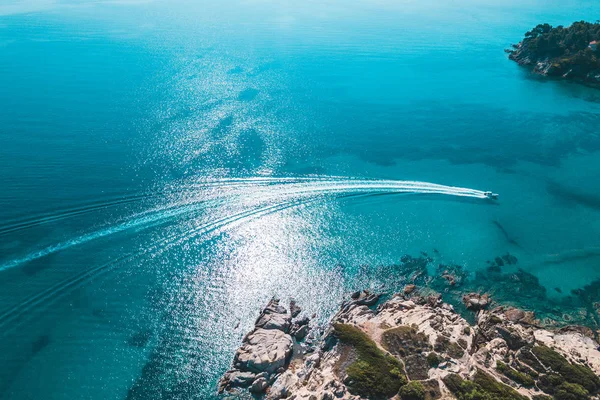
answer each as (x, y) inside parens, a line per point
(414, 346)
(476, 301)
(267, 350)
(562, 53)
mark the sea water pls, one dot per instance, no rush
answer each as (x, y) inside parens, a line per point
(166, 167)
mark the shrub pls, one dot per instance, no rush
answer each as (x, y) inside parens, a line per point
(374, 374)
(571, 391)
(482, 387)
(453, 349)
(497, 389)
(519, 377)
(572, 373)
(549, 383)
(404, 341)
(433, 359)
(412, 391)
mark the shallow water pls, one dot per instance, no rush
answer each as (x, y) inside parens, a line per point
(167, 167)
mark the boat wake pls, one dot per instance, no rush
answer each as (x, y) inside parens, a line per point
(279, 188)
(210, 207)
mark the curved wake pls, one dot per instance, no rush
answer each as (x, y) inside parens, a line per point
(278, 188)
(257, 197)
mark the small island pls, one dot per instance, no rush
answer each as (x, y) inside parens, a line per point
(569, 53)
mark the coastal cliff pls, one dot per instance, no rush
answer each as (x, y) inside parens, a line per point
(569, 53)
(414, 346)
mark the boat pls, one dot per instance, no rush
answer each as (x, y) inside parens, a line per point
(491, 195)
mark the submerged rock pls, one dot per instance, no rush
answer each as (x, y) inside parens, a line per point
(408, 289)
(475, 301)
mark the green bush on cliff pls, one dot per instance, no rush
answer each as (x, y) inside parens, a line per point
(515, 375)
(540, 397)
(549, 382)
(482, 387)
(453, 349)
(571, 391)
(433, 359)
(572, 373)
(412, 391)
(464, 389)
(404, 341)
(374, 374)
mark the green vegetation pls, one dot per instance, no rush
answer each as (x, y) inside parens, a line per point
(482, 387)
(519, 377)
(571, 391)
(433, 359)
(412, 391)
(540, 397)
(453, 349)
(404, 341)
(558, 377)
(571, 373)
(549, 383)
(374, 374)
(566, 49)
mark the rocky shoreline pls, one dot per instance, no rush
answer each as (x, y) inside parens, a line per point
(568, 53)
(414, 346)
(267, 350)
(547, 67)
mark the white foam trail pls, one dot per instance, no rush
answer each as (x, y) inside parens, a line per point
(161, 245)
(135, 223)
(278, 187)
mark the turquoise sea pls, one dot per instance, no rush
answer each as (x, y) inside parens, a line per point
(166, 167)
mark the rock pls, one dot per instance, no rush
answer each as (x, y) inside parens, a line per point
(514, 339)
(259, 385)
(366, 298)
(273, 307)
(265, 350)
(431, 338)
(274, 316)
(327, 396)
(408, 289)
(274, 321)
(475, 301)
(408, 305)
(301, 332)
(302, 321)
(294, 309)
(509, 259)
(281, 387)
(240, 379)
(434, 300)
(451, 279)
(514, 314)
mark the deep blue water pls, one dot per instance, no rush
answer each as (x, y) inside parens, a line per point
(167, 167)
